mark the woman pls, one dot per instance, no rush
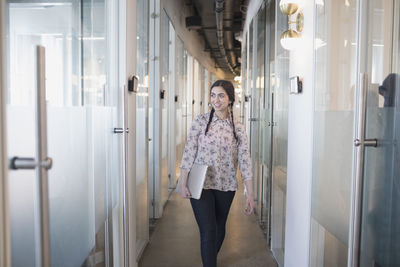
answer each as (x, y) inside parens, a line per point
(218, 141)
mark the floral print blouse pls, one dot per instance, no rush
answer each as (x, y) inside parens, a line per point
(218, 150)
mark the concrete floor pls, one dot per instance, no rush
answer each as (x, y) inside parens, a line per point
(176, 242)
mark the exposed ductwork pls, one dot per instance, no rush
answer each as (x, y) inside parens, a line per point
(219, 14)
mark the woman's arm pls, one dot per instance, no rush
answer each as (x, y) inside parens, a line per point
(245, 167)
(249, 197)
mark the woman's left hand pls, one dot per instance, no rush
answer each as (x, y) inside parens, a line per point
(249, 205)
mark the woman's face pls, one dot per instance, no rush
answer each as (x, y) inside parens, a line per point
(219, 99)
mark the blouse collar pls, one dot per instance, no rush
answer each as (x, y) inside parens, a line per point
(216, 118)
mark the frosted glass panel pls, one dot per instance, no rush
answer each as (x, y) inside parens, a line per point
(21, 141)
(142, 115)
(71, 190)
(330, 193)
(85, 179)
(333, 133)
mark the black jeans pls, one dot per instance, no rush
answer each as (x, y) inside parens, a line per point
(211, 212)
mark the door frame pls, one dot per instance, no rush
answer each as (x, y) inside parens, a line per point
(128, 67)
(363, 81)
(5, 245)
(171, 108)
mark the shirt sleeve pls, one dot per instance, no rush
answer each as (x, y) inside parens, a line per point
(244, 154)
(190, 152)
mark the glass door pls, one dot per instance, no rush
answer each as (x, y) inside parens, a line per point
(334, 112)
(180, 104)
(81, 104)
(163, 186)
(142, 133)
(266, 118)
(171, 128)
(380, 178)
(254, 106)
(280, 141)
(257, 122)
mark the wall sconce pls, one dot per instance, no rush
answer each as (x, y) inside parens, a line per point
(290, 38)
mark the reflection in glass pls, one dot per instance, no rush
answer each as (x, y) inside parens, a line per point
(380, 218)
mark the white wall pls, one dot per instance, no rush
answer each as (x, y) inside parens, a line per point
(300, 147)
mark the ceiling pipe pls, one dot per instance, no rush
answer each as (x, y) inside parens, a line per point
(229, 36)
(219, 14)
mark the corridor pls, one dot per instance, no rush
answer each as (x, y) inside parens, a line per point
(97, 103)
(244, 244)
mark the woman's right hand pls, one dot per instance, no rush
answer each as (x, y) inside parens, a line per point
(185, 193)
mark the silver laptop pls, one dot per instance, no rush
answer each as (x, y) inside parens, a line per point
(196, 178)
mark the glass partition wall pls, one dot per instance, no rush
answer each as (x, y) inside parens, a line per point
(189, 92)
(81, 105)
(335, 82)
(280, 141)
(142, 133)
(257, 89)
(380, 216)
(197, 88)
(356, 83)
(267, 119)
(180, 101)
(171, 108)
(243, 70)
(162, 187)
(259, 81)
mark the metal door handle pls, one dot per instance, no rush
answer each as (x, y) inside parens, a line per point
(366, 142)
(42, 250)
(17, 163)
(360, 142)
(120, 130)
